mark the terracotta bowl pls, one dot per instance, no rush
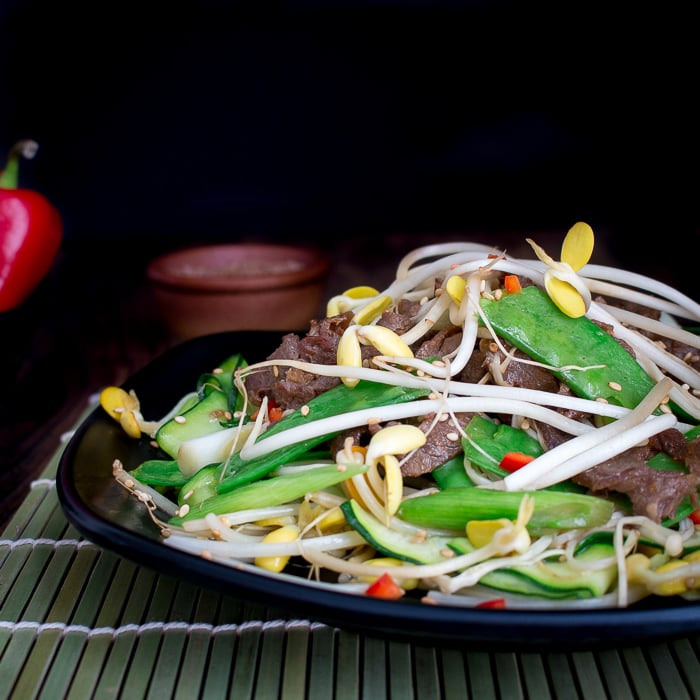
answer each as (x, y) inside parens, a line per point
(240, 286)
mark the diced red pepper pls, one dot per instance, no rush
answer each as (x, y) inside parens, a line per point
(512, 461)
(274, 412)
(385, 587)
(695, 517)
(512, 284)
(493, 604)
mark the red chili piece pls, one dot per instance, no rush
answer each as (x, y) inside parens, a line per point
(493, 604)
(385, 587)
(31, 231)
(512, 461)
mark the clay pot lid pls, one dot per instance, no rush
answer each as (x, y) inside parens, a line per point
(233, 267)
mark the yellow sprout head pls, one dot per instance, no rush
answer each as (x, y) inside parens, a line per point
(565, 288)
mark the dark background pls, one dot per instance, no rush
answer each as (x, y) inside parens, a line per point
(364, 128)
(166, 123)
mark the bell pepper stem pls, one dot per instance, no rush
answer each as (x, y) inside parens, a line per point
(22, 149)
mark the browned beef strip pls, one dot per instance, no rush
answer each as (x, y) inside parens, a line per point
(652, 492)
(401, 319)
(526, 375)
(438, 448)
(439, 344)
(692, 456)
(292, 388)
(670, 441)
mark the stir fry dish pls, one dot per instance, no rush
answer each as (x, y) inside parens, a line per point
(486, 431)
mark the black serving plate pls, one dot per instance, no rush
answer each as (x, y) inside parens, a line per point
(106, 514)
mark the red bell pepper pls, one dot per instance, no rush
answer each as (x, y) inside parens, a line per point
(31, 231)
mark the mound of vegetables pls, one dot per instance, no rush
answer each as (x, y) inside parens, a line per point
(485, 431)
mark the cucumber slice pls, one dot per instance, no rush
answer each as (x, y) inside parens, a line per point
(553, 579)
(400, 545)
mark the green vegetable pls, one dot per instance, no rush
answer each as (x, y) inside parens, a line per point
(200, 487)
(392, 543)
(218, 401)
(496, 440)
(531, 322)
(273, 491)
(340, 399)
(159, 472)
(452, 473)
(453, 508)
(553, 579)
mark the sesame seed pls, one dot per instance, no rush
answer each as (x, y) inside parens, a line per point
(447, 553)
(443, 417)
(304, 410)
(342, 468)
(183, 510)
(498, 294)
(189, 494)
(432, 396)
(615, 386)
(438, 363)
(525, 424)
(423, 301)
(487, 295)
(276, 371)
(665, 408)
(218, 370)
(601, 399)
(207, 555)
(374, 421)
(493, 347)
(153, 443)
(428, 601)
(452, 437)
(180, 419)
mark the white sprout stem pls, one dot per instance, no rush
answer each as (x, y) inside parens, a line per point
(678, 394)
(472, 575)
(664, 359)
(413, 409)
(396, 378)
(658, 327)
(251, 550)
(241, 517)
(683, 305)
(578, 454)
(440, 250)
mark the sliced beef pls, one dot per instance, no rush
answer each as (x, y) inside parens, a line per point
(290, 387)
(402, 319)
(652, 492)
(439, 344)
(438, 448)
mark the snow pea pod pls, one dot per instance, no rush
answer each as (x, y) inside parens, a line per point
(585, 357)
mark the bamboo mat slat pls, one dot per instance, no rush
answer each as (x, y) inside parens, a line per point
(79, 622)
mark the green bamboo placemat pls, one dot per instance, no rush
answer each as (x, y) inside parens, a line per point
(79, 622)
